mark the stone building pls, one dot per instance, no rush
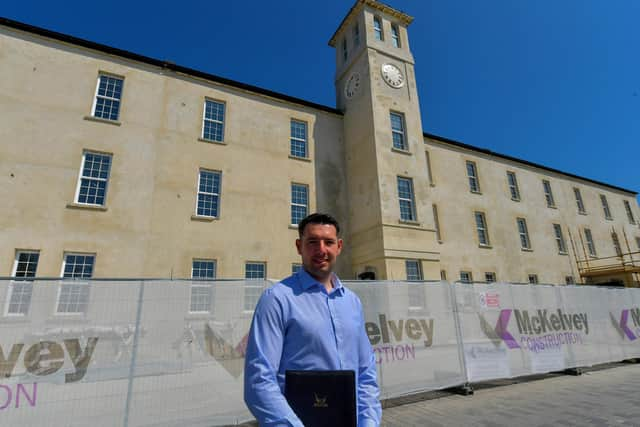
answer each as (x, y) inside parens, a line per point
(117, 165)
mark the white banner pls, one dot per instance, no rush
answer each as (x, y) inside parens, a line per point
(155, 353)
(412, 329)
(513, 330)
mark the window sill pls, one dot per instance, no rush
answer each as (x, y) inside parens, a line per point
(552, 206)
(408, 222)
(303, 159)
(100, 120)
(293, 227)
(204, 218)
(515, 200)
(87, 207)
(608, 218)
(475, 192)
(211, 141)
(432, 184)
(400, 151)
(485, 246)
(582, 213)
(563, 253)
(526, 249)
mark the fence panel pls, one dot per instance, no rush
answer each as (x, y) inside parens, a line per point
(155, 353)
(67, 349)
(413, 332)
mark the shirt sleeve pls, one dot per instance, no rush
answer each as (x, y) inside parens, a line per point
(369, 408)
(262, 393)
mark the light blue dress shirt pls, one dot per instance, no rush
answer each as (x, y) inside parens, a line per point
(297, 325)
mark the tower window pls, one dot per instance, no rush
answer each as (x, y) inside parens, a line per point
(429, 172)
(436, 222)
(395, 35)
(377, 28)
(397, 131)
(345, 53)
(406, 200)
(356, 35)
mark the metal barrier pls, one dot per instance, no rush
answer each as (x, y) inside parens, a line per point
(158, 352)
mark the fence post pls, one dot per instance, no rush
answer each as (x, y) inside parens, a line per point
(465, 388)
(134, 354)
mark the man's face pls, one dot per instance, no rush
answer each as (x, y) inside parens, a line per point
(319, 248)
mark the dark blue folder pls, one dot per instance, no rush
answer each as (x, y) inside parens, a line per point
(322, 398)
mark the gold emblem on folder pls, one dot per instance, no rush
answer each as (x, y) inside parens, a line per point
(321, 402)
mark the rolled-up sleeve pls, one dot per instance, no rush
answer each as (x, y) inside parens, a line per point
(262, 393)
(369, 408)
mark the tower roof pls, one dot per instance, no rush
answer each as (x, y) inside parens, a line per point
(359, 4)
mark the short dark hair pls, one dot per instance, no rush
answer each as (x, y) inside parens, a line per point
(317, 218)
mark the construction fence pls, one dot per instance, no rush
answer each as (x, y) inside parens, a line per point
(161, 353)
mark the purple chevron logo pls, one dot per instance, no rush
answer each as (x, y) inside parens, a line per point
(499, 332)
(623, 328)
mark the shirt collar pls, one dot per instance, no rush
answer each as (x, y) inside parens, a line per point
(307, 281)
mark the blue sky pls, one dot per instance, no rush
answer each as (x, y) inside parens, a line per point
(555, 82)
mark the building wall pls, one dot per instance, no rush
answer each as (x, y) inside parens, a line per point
(146, 228)
(456, 204)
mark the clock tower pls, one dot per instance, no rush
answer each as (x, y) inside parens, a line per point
(390, 213)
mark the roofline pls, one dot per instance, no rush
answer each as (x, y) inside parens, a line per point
(233, 83)
(167, 65)
(524, 162)
(406, 19)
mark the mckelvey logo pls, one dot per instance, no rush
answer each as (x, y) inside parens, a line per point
(389, 337)
(230, 357)
(623, 327)
(538, 330)
(47, 357)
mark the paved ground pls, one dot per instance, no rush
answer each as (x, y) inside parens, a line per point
(602, 396)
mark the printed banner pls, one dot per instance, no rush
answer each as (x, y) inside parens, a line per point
(156, 353)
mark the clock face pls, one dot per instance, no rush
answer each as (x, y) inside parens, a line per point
(392, 75)
(352, 85)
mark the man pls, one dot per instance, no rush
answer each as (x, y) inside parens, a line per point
(309, 321)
